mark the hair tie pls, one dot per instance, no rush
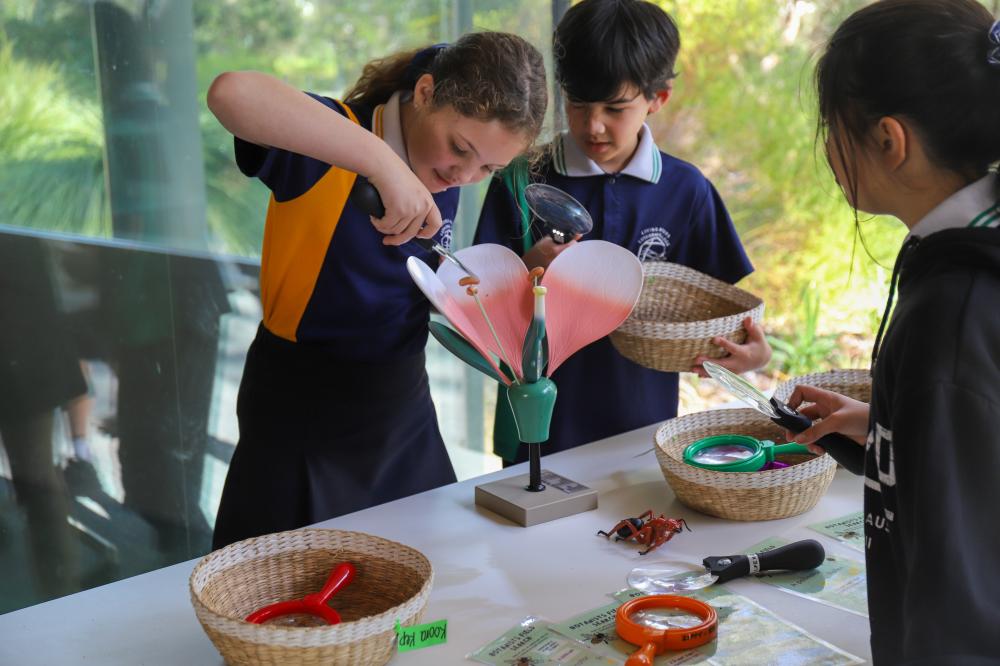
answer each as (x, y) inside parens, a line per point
(993, 56)
(421, 64)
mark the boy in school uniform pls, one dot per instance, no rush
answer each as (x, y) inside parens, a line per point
(614, 60)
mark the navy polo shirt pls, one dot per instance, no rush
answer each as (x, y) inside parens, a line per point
(662, 209)
(326, 277)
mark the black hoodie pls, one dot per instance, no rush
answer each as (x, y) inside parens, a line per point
(932, 486)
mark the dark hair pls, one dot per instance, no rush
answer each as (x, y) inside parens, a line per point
(923, 60)
(601, 45)
(482, 75)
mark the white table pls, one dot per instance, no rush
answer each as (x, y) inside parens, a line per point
(489, 573)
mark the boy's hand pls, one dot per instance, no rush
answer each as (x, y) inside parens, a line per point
(836, 413)
(409, 207)
(544, 251)
(754, 353)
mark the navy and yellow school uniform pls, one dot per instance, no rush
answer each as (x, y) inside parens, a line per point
(662, 209)
(334, 407)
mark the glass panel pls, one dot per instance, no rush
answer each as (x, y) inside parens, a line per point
(117, 406)
(129, 247)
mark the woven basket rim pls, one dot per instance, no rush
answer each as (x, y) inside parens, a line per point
(824, 379)
(290, 636)
(752, 305)
(688, 330)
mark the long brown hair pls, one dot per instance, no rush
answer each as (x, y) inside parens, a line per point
(482, 75)
(925, 60)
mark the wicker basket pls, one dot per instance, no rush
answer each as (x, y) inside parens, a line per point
(679, 311)
(392, 583)
(767, 495)
(855, 384)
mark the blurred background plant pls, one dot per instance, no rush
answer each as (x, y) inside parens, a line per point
(743, 110)
(805, 349)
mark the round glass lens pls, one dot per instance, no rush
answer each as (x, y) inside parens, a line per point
(741, 388)
(665, 618)
(722, 454)
(669, 578)
(558, 209)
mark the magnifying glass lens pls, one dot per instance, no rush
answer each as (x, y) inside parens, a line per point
(665, 618)
(558, 209)
(669, 578)
(722, 454)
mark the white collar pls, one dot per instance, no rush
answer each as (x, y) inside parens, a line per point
(974, 205)
(387, 126)
(646, 163)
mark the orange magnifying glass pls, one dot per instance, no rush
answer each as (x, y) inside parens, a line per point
(632, 625)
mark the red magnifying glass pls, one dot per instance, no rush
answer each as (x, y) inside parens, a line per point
(631, 626)
(312, 604)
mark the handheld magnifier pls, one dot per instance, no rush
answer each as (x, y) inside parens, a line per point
(564, 216)
(843, 449)
(652, 622)
(737, 453)
(312, 604)
(677, 577)
(366, 197)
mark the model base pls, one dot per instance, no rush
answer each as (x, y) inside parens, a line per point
(562, 497)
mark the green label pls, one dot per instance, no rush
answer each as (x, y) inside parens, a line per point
(421, 635)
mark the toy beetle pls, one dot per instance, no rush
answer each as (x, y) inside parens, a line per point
(646, 530)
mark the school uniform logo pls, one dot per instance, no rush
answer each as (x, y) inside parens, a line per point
(444, 234)
(653, 244)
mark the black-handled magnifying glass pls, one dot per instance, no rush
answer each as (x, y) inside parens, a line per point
(670, 577)
(366, 197)
(843, 449)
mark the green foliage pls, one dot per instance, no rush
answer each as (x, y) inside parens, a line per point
(743, 110)
(51, 169)
(805, 349)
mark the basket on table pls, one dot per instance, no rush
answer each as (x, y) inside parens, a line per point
(679, 311)
(392, 584)
(765, 495)
(855, 384)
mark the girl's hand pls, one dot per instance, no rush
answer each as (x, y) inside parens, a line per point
(754, 353)
(837, 412)
(267, 111)
(409, 207)
(544, 251)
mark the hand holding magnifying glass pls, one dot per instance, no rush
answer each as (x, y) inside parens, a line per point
(366, 197)
(843, 449)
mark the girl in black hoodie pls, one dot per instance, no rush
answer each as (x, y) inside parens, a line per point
(909, 101)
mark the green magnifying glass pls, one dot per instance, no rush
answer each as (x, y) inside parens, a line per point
(736, 453)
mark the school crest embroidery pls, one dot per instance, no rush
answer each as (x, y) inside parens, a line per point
(653, 244)
(445, 233)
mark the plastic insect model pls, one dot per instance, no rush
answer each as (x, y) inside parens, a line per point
(647, 530)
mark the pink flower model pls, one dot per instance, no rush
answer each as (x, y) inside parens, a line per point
(591, 288)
